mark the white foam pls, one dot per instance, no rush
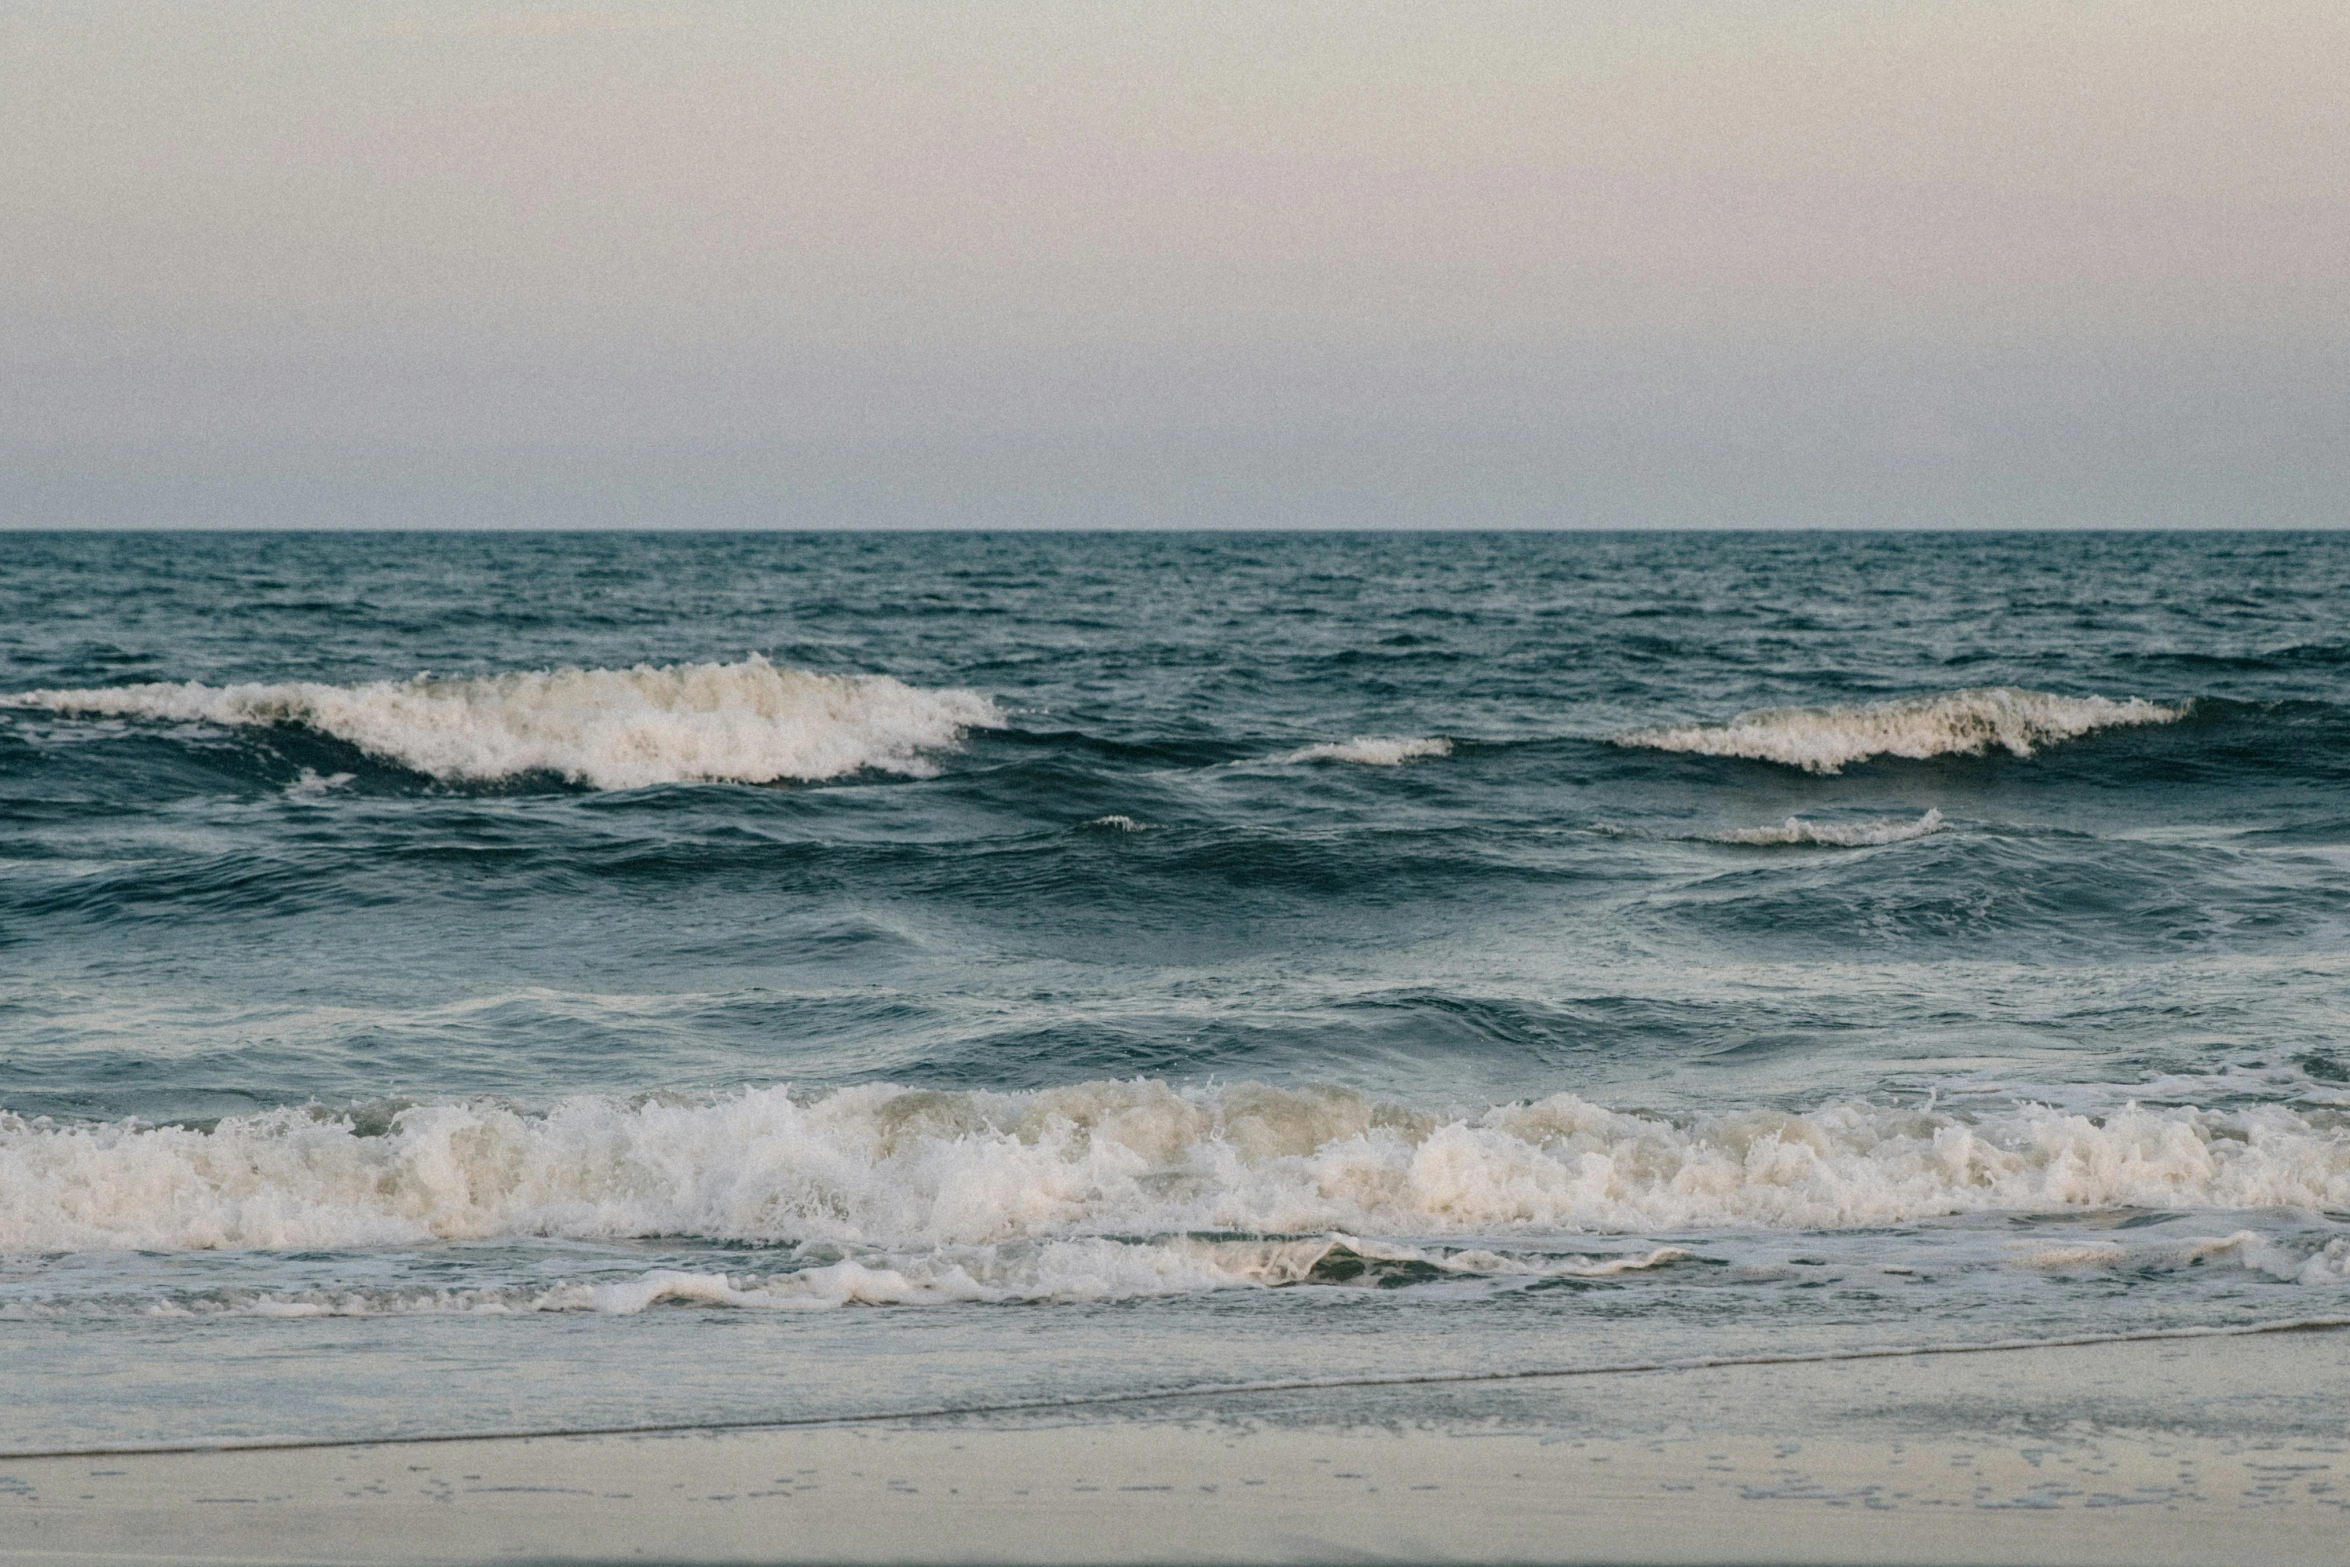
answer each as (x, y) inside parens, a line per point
(2328, 1265)
(1950, 723)
(1367, 751)
(750, 722)
(1120, 824)
(1840, 835)
(915, 1172)
(311, 786)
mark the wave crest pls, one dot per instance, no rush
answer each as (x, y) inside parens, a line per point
(750, 722)
(912, 1170)
(1367, 751)
(1949, 723)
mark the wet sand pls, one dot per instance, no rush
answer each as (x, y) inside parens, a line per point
(2229, 1450)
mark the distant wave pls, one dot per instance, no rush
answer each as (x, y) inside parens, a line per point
(1368, 751)
(919, 1173)
(613, 728)
(1839, 835)
(1950, 723)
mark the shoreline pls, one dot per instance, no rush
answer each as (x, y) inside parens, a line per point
(1113, 1403)
(2175, 1449)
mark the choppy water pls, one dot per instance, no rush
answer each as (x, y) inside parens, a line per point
(1142, 960)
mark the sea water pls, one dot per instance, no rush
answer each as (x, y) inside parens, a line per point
(456, 983)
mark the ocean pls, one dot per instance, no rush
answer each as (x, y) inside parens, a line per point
(467, 983)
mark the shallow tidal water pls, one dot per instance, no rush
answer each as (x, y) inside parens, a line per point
(476, 982)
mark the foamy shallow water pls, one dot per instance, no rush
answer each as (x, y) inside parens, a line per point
(798, 968)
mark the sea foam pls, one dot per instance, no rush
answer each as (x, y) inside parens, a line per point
(1837, 835)
(751, 722)
(1949, 723)
(915, 1171)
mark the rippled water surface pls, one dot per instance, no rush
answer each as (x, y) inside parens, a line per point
(452, 981)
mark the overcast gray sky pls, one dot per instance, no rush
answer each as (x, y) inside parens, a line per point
(1657, 263)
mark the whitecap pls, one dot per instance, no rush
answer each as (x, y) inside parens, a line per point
(1368, 751)
(751, 722)
(1949, 723)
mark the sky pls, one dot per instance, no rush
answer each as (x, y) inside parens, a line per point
(1673, 263)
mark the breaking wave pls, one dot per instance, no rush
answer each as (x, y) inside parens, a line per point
(1950, 723)
(919, 1171)
(750, 722)
(1367, 751)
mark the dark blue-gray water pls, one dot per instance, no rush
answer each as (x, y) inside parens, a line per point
(459, 981)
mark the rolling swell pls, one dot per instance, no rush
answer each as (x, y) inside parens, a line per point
(2013, 893)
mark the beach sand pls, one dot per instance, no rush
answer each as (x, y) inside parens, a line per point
(2192, 1450)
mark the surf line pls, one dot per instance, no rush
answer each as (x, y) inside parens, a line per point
(279, 1444)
